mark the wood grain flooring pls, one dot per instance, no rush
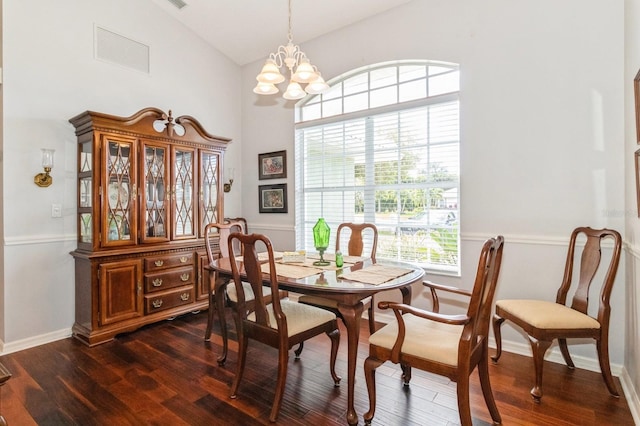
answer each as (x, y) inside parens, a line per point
(165, 374)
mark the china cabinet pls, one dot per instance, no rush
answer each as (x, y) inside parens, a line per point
(147, 186)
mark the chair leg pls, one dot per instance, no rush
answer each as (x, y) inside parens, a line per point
(243, 342)
(220, 302)
(464, 409)
(406, 373)
(497, 323)
(564, 350)
(603, 357)
(370, 365)
(539, 348)
(485, 384)
(335, 343)
(371, 315)
(212, 304)
(283, 361)
(299, 350)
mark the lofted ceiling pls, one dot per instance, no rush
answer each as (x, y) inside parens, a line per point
(248, 30)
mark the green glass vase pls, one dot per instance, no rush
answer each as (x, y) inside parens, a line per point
(321, 232)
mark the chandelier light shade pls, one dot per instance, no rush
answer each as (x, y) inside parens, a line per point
(300, 70)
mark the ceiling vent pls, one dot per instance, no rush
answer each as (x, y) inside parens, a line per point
(121, 50)
(178, 3)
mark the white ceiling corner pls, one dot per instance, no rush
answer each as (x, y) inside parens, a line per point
(248, 30)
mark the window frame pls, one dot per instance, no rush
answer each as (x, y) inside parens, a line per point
(303, 227)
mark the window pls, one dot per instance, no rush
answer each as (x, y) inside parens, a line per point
(382, 146)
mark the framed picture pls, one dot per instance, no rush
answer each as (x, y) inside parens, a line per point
(272, 165)
(273, 198)
(636, 92)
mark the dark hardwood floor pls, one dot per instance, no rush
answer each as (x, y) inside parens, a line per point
(165, 374)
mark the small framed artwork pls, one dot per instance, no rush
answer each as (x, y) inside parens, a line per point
(272, 165)
(636, 92)
(273, 198)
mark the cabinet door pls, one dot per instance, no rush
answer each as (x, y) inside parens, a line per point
(120, 291)
(210, 184)
(203, 276)
(155, 193)
(119, 187)
(184, 223)
(86, 197)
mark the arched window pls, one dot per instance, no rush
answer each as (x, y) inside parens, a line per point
(382, 145)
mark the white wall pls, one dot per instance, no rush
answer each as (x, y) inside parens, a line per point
(542, 116)
(50, 75)
(632, 235)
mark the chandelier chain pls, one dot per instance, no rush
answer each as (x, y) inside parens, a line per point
(290, 32)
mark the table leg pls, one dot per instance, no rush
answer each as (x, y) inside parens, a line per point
(351, 315)
(406, 294)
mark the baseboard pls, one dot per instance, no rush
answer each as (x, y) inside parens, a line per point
(34, 341)
(631, 395)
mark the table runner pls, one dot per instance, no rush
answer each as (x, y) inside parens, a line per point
(292, 270)
(331, 257)
(375, 274)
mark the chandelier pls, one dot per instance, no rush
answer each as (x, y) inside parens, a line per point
(292, 57)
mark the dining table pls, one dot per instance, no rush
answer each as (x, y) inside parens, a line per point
(358, 279)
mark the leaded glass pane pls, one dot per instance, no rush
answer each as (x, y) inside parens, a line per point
(155, 191)
(119, 207)
(184, 193)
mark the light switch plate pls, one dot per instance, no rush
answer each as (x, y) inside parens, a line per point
(56, 210)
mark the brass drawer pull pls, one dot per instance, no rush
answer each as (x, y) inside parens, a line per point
(184, 259)
(184, 297)
(159, 262)
(157, 303)
(184, 277)
(157, 282)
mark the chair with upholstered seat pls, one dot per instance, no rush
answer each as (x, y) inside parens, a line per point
(279, 323)
(242, 221)
(222, 231)
(545, 321)
(360, 235)
(447, 345)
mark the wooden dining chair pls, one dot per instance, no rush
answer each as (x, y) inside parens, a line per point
(242, 220)
(279, 323)
(222, 231)
(360, 235)
(545, 321)
(447, 345)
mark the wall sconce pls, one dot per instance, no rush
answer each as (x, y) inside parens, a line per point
(227, 186)
(45, 179)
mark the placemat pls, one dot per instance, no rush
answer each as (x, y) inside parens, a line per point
(375, 274)
(264, 256)
(331, 257)
(290, 270)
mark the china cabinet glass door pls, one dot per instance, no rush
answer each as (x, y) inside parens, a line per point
(85, 194)
(119, 224)
(156, 192)
(209, 196)
(184, 196)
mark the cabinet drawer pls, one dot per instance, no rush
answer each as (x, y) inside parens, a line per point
(160, 301)
(168, 261)
(176, 277)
